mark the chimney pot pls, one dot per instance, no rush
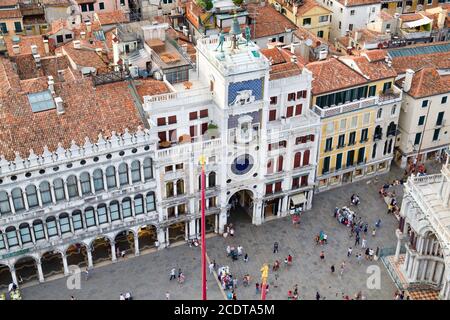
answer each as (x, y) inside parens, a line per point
(16, 49)
(77, 44)
(59, 105)
(46, 47)
(34, 49)
(83, 35)
(408, 80)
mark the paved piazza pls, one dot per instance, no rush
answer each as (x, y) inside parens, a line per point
(147, 276)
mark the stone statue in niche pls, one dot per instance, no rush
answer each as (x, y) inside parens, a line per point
(243, 97)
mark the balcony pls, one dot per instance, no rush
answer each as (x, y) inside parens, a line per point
(178, 151)
(410, 34)
(325, 112)
(390, 96)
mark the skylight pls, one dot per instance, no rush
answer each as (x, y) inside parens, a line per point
(41, 101)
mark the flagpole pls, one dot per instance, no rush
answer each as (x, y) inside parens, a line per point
(203, 228)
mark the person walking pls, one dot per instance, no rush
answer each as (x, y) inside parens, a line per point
(167, 295)
(342, 268)
(332, 268)
(349, 251)
(86, 273)
(364, 243)
(374, 232)
(246, 258)
(240, 250)
(317, 295)
(211, 268)
(179, 273)
(172, 274)
(357, 240)
(275, 247)
(359, 257)
(257, 288)
(121, 297)
(289, 258)
(322, 255)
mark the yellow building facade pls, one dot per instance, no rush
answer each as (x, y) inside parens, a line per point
(408, 6)
(310, 15)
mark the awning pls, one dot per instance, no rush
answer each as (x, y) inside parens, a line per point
(417, 23)
(298, 198)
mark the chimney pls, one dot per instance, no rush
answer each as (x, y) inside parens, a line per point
(51, 85)
(408, 80)
(77, 44)
(59, 105)
(294, 59)
(34, 49)
(99, 51)
(292, 48)
(16, 49)
(88, 26)
(46, 47)
(61, 75)
(294, 9)
(83, 35)
(356, 36)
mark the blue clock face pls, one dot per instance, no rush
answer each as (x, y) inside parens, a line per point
(242, 164)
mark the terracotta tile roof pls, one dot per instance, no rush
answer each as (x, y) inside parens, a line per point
(353, 3)
(308, 5)
(332, 75)
(193, 13)
(375, 55)
(8, 3)
(112, 17)
(88, 112)
(281, 64)
(427, 82)
(86, 56)
(10, 14)
(375, 70)
(302, 33)
(25, 44)
(438, 60)
(385, 16)
(410, 17)
(150, 87)
(27, 69)
(268, 21)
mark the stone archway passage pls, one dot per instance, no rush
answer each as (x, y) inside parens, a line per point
(52, 263)
(241, 207)
(147, 237)
(77, 255)
(26, 270)
(101, 250)
(177, 232)
(210, 223)
(125, 242)
(5, 277)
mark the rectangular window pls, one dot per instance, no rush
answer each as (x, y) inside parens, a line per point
(352, 12)
(289, 111)
(102, 215)
(150, 201)
(272, 115)
(354, 123)
(2, 242)
(364, 134)
(343, 125)
(352, 138)
(84, 7)
(326, 165)
(25, 235)
(278, 186)
(386, 86)
(77, 221)
(339, 161)
(440, 118)
(273, 100)
(138, 206)
(101, 6)
(269, 188)
(12, 238)
(59, 39)
(58, 186)
(306, 21)
(323, 18)
(341, 141)
(417, 138)
(328, 144)
(193, 115)
(68, 36)
(172, 119)
(18, 27)
(89, 215)
(3, 27)
(64, 225)
(91, 6)
(204, 127)
(444, 100)
(204, 113)
(366, 119)
(350, 26)
(114, 211)
(126, 209)
(424, 103)
(339, 26)
(304, 181)
(295, 182)
(361, 153)
(291, 96)
(38, 231)
(51, 228)
(421, 120)
(161, 122)
(298, 109)
(350, 157)
(330, 127)
(436, 134)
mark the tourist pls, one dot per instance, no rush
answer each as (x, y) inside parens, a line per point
(235, 283)
(349, 251)
(322, 255)
(172, 274)
(128, 296)
(257, 288)
(290, 296)
(296, 291)
(234, 296)
(228, 249)
(211, 268)
(332, 268)
(239, 250)
(117, 252)
(275, 247)
(232, 232)
(342, 268)
(246, 258)
(367, 253)
(179, 273)
(123, 253)
(378, 223)
(86, 272)
(366, 227)
(317, 295)
(358, 258)
(121, 297)
(286, 261)
(374, 232)
(371, 253)
(289, 258)
(364, 243)
(167, 295)
(72, 298)
(357, 240)
(229, 295)
(276, 265)
(181, 278)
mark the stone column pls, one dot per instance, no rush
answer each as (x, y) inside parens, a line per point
(38, 193)
(52, 192)
(433, 269)
(284, 206)
(11, 204)
(65, 264)
(257, 212)
(25, 201)
(416, 267)
(91, 181)
(40, 272)
(222, 220)
(14, 275)
(66, 191)
(399, 235)
(161, 234)
(113, 251)
(136, 244)
(80, 192)
(89, 255)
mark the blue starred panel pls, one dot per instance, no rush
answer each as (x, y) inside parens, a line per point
(255, 85)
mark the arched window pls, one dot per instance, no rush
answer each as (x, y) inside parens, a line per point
(394, 108)
(123, 174)
(180, 186)
(32, 196)
(98, 180)
(135, 171)
(378, 132)
(38, 229)
(390, 146)
(2, 241)
(72, 187)
(5, 207)
(89, 216)
(212, 179)
(111, 177)
(11, 237)
(77, 220)
(374, 150)
(114, 210)
(46, 194)
(200, 182)
(17, 198)
(102, 214)
(138, 204)
(379, 113)
(306, 157)
(297, 159)
(52, 229)
(64, 223)
(126, 208)
(58, 185)
(150, 201)
(148, 172)
(169, 189)
(25, 235)
(270, 166)
(385, 147)
(85, 181)
(280, 164)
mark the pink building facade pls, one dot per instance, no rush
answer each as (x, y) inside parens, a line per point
(89, 7)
